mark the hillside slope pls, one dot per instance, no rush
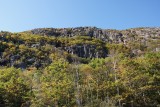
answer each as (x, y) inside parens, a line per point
(35, 48)
(80, 67)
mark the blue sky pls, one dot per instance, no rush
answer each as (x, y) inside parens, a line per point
(21, 15)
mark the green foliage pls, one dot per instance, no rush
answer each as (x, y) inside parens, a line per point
(14, 91)
(51, 73)
(56, 86)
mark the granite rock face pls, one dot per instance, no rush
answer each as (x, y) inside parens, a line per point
(136, 35)
(108, 35)
(86, 51)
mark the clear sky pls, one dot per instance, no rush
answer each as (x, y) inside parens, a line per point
(21, 15)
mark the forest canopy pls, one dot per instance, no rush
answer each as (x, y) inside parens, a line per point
(80, 67)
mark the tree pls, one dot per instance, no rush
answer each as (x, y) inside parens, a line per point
(14, 91)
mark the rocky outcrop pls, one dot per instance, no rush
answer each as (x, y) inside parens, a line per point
(86, 51)
(107, 35)
(142, 37)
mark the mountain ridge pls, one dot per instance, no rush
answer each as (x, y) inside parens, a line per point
(84, 42)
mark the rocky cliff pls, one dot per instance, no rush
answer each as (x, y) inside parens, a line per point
(107, 35)
(144, 37)
(40, 47)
